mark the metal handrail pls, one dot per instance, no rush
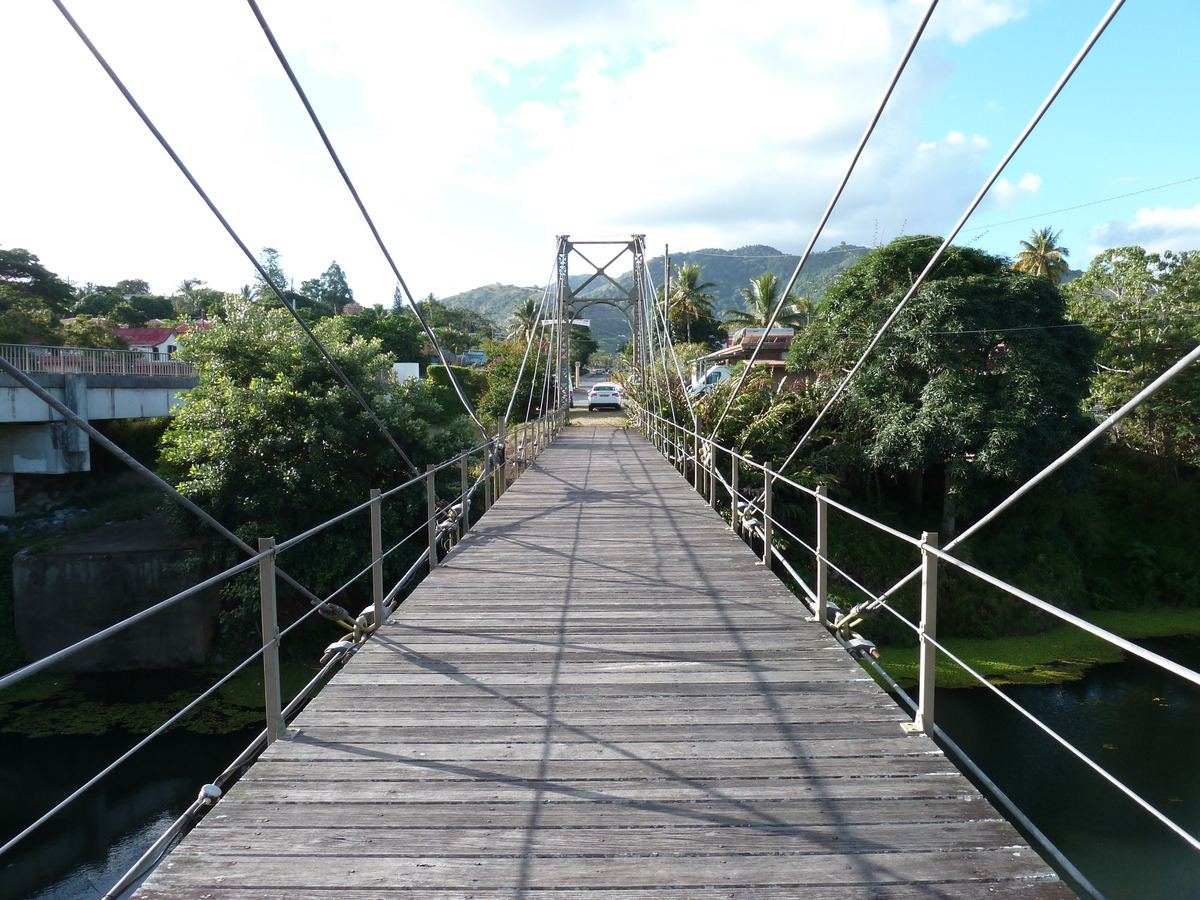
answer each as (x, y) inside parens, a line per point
(545, 428)
(650, 423)
(40, 359)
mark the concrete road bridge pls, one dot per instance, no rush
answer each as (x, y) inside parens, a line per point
(95, 384)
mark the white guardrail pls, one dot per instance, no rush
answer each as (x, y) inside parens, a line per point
(38, 359)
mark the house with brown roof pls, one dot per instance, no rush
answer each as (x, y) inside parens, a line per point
(772, 356)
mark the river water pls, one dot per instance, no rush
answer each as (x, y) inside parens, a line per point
(1138, 722)
(1135, 720)
(85, 849)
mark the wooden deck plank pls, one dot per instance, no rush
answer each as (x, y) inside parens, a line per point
(400, 815)
(924, 891)
(600, 695)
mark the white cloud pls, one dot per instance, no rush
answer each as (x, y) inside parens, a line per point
(1006, 192)
(1154, 229)
(962, 20)
(474, 132)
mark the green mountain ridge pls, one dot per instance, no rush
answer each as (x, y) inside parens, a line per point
(731, 270)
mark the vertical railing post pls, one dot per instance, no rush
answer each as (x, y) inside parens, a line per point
(502, 469)
(488, 452)
(466, 500)
(733, 493)
(431, 512)
(712, 474)
(377, 555)
(822, 554)
(923, 721)
(272, 695)
(768, 478)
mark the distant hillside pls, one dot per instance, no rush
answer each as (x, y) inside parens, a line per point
(495, 301)
(731, 270)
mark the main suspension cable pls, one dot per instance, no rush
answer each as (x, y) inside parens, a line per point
(937, 256)
(662, 319)
(366, 216)
(858, 151)
(525, 358)
(230, 231)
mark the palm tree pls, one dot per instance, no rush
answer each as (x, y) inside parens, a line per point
(689, 301)
(761, 298)
(526, 318)
(1042, 255)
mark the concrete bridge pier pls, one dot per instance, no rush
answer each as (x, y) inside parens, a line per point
(45, 448)
(36, 440)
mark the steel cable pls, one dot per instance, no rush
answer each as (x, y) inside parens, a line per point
(937, 256)
(862, 143)
(120, 85)
(366, 216)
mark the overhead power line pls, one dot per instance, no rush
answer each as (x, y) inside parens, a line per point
(1055, 212)
(362, 401)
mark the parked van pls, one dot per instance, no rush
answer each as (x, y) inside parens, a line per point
(709, 380)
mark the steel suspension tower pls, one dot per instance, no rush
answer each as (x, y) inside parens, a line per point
(599, 287)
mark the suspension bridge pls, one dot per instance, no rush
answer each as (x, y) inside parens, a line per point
(601, 692)
(601, 689)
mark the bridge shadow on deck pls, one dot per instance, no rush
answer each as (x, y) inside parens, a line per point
(601, 694)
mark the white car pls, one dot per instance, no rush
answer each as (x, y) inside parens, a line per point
(604, 394)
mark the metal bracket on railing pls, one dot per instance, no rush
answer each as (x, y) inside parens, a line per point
(346, 646)
(448, 528)
(335, 613)
(858, 647)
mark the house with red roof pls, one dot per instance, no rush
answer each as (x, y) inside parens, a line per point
(158, 343)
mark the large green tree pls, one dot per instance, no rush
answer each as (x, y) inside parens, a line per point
(534, 390)
(271, 443)
(458, 329)
(262, 291)
(976, 385)
(193, 299)
(32, 302)
(400, 333)
(26, 284)
(32, 299)
(330, 293)
(583, 345)
(1146, 309)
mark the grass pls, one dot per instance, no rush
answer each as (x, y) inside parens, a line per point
(1061, 654)
(51, 704)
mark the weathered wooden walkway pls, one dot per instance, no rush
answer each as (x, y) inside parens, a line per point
(600, 696)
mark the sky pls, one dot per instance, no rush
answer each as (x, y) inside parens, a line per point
(476, 131)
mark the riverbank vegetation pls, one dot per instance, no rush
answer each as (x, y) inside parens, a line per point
(989, 373)
(992, 370)
(1062, 653)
